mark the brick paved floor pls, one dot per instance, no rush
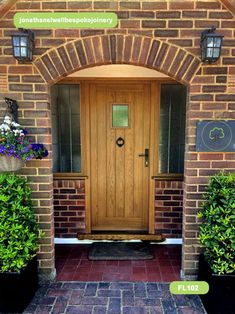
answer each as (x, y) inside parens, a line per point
(112, 298)
(72, 264)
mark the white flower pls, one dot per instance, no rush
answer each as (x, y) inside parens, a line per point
(15, 124)
(7, 120)
(4, 127)
(16, 131)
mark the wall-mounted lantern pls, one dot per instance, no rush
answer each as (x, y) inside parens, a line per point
(23, 45)
(211, 44)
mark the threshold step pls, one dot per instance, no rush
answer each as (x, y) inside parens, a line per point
(119, 236)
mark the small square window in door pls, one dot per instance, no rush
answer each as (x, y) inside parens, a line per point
(120, 115)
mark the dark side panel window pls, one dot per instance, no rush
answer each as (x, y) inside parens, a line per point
(66, 128)
(172, 128)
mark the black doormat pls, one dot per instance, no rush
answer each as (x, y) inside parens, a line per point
(119, 251)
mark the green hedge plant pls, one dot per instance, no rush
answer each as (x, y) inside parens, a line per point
(18, 227)
(217, 231)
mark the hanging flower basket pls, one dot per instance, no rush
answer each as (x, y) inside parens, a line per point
(9, 163)
(16, 146)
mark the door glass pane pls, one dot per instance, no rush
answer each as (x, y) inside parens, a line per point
(120, 116)
(172, 128)
(66, 128)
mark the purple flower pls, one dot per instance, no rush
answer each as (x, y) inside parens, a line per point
(45, 153)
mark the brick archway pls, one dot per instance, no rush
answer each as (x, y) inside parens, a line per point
(117, 49)
(137, 50)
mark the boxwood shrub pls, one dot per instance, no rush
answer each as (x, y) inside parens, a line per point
(18, 227)
(217, 231)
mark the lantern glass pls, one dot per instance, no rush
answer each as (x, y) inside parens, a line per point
(210, 46)
(218, 41)
(23, 44)
(16, 41)
(24, 52)
(24, 40)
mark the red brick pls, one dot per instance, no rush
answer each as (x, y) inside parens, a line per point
(113, 48)
(20, 69)
(153, 5)
(177, 62)
(194, 14)
(21, 87)
(89, 51)
(129, 5)
(169, 59)
(180, 24)
(127, 48)
(153, 51)
(142, 14)
(120, 43)
(106, 47)
(192, 70)
(211, 156)
(67, 33)
(145, 50)
(225, 97)
(65, 59)
(79, 5)
(136, 49)
(53, 5)
(57, 62)
(161, 55)
(97, 49)
(208, 5)
(43, 70)
(153, 24)
(206, 23)
(229, 61)
(130, 23)
(72, 54)
(220, 15)
(50, 67)
(214, 88)
(166, 33)
(106, 5)
(178, 5)
(167, 15)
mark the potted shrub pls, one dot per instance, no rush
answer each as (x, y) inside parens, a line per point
(217, 234)
(19, 234)
(16, 146)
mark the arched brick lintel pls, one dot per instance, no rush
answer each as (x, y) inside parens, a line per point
(117, 49)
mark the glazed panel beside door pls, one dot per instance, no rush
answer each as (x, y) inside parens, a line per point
(119, 176)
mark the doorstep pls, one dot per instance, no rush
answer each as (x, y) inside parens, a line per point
(120, 236)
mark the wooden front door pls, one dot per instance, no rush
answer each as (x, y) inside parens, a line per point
(120, 127)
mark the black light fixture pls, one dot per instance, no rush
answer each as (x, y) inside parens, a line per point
(23, 45)
(211, 44)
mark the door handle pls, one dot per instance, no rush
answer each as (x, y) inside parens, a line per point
(146, 157)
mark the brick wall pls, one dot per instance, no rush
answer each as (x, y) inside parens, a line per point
(69, 208)
(162, 35)
(168, 208)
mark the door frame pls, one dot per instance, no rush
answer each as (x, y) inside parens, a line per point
(154, 142)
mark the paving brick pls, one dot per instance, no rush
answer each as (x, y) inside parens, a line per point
(109, 293)
(99, 310)
(114, 306)
(91, 289)
(79, 309)
(128, 298)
